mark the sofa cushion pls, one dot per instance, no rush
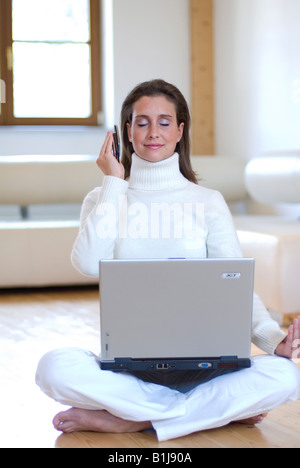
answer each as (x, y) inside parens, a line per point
(37, 253)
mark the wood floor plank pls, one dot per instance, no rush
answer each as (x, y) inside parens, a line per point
(34, 322)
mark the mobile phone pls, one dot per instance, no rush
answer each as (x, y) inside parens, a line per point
(116, 143)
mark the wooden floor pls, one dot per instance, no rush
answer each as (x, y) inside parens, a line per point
(32, 323)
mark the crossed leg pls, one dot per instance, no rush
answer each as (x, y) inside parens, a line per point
(106, 402)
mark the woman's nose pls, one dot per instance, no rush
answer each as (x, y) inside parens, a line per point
(153, 131)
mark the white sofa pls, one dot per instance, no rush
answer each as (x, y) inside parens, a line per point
(35, 250)
(274, 241)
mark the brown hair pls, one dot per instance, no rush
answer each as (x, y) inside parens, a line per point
(159, 88)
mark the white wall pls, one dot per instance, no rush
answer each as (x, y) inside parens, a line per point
(257, 76)
(150, 39)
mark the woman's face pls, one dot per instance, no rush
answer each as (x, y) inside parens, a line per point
(154, 132)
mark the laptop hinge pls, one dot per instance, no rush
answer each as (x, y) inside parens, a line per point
(128, 364)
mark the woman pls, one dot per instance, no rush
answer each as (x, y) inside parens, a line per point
(117, 221)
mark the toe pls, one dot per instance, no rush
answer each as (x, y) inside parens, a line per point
(60, 419)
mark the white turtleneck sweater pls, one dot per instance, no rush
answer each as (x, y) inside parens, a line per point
(158, 213)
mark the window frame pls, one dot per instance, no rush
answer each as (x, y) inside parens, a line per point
(6, 72)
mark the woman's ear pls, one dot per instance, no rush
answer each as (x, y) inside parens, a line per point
(180, 131)
(129, 131)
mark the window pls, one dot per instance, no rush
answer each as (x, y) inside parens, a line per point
(50, 62)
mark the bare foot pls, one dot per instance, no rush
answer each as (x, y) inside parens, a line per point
(76, 420)
(253, 421)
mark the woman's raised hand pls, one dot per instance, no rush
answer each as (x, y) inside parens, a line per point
(107, 161)
(290, 346)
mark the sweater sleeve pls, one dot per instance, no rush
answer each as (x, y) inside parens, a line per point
(266, 333)
(222, 241)
(98, 226)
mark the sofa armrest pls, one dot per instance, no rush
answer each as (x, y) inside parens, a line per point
(274, 179)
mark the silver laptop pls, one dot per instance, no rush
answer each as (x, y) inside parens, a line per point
(176, 314)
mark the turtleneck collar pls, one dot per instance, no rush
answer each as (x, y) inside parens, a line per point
(161, 175)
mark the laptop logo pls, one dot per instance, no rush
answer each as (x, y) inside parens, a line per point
(231, 275)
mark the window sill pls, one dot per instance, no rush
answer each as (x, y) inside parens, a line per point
(51, 128)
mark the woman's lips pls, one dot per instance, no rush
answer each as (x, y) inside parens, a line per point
(154, 147)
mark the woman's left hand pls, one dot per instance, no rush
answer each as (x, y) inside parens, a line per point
(290, 346)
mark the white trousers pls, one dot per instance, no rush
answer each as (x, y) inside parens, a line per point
(73, 377)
